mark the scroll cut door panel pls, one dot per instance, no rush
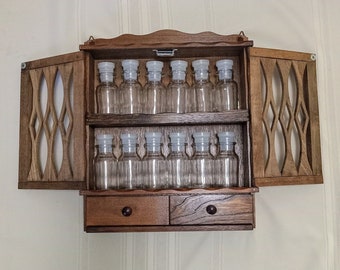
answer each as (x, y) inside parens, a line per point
(52, 123)
(284, 118)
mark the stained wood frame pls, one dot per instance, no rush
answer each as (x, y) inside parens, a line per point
(303, 117)
(36, 122)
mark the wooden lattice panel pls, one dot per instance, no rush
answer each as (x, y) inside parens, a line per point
(284, 118)
(53, 132)
(47, 123)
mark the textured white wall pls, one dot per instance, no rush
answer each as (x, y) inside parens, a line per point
(296, 225)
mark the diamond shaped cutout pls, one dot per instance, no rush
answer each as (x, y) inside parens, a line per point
(286, 116)
(35, 125)
(302, 117)
(271, 115)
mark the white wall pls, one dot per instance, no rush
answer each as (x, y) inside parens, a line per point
(296, 225)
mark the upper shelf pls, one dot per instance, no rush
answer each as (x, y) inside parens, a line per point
(183, 44)
(109, 120)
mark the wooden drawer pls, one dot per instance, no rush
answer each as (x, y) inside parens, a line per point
(211, 209)
(126, 211)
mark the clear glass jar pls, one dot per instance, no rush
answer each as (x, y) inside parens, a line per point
(107, 96)
(130, 90)
(129, 164)
(178, 161)
(154, 93)
(154, 171)
(179, 95)
(227, 162)
(202, 85)
(202, 163)
(226, 87)
(105, 164)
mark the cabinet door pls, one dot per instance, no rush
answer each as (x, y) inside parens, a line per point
(52, 151)
(284, 118)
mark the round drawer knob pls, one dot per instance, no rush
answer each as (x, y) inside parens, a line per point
(211, 209)
(127, 211)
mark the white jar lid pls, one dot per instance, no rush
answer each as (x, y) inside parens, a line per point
(226, 136)
(177, 137)
(128, 138)
(106, 67)
(153, 137)
(179, 65)
(200, 64)
(104, 139)
(153, 134)
(224, 64)
(130, 64)
(154, 66)
(201, 136)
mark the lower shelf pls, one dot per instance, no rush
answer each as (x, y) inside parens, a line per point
(113, 229)
(167, 211)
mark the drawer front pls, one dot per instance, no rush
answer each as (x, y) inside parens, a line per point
(211, 209)
(126, 211)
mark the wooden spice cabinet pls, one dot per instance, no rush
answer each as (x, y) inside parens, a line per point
(276, 127)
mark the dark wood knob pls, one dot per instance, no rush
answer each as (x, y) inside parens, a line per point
(211, 209)
(127, 211)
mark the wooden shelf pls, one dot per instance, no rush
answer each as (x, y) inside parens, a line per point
(166, 119)
(169, 228)
(165, 192)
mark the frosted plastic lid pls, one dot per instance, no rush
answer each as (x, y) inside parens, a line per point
(128, 138)
(106, 71)
(154, 65)
(153, 137)
(179, 65)
(104, 139)
(106, 67)
(201, 137)
(224, 64)
(130, 64)
(177, 137)
(200, 64)
(153, 134)
(226, 136)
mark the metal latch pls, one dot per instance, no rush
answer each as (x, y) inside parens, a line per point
(165, 53)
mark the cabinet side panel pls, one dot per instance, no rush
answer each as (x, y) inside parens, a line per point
(284, 118)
